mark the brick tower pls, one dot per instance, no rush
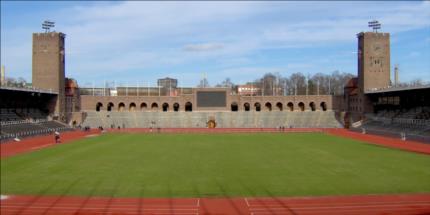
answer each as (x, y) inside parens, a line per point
(48, 66)
(373, 61)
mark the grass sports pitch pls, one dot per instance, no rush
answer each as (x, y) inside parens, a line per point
(202, 165)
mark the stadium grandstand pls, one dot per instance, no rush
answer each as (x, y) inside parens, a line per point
(369, 102)
(27, 112)
(398, 111)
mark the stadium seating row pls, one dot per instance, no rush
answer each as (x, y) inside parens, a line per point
(411, 127)
(21, 114)
(30, 129)
(223, 119)
(413, 113)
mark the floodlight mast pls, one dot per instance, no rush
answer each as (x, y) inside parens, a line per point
(375, 25)
(47, 25)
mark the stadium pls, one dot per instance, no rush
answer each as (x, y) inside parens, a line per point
(176, 150)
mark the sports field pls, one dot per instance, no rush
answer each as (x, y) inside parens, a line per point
(201, 165)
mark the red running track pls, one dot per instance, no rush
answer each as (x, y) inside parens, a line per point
(36, 143)
(341, 205)
(407, 145)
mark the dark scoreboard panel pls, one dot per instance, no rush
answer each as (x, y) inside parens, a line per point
(211, 98)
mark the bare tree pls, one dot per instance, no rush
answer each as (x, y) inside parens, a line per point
(269, 84)
(416, 83)
(298, 83)
(203, 83)
(226, 83)
(19, 82)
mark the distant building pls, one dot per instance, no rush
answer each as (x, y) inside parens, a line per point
(248, 90)
(72, 96)
(167, 83)
(168, 86)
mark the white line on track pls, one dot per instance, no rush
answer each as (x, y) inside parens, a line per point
(98, 205)
(247, 203)
(98, 208)
(338, 207)
(92, 135)
(95, 212)
(42, 146)
(280, 204)
(343, 212)
(119, 204)
(3, 197)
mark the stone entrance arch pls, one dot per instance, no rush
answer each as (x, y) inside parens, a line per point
(312, 106)
(188, 107)
(246, 106)
(268, 106)
(290, 106)
(234, 107)
(176, 107)
(257, 106)
(121, 106)
(279, 106)
(211, 123)
(110, 106)
(132, 107)
(323, 106)
(143, 106)
(165, 107)
(154, 107)
(99, 106)
(302, 106)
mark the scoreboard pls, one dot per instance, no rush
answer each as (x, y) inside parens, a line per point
(211, 99)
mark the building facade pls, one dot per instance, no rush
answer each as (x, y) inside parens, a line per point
(373, 73)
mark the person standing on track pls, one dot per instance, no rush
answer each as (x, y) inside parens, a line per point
(57, 137)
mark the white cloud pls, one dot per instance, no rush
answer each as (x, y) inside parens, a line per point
(414, 54)
(394, 19)
(117, 37)
(203, 47)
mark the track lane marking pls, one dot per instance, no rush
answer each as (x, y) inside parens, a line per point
(334, 203)
(101, 208)
(339, 207)
(246, 201)
(95, 212)
(42, 146)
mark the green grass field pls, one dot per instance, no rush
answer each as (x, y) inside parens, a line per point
(198, 165)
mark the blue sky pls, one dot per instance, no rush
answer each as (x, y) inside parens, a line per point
(138, 42)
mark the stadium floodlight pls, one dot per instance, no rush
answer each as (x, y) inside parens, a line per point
(47, 25)
(375, 25)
